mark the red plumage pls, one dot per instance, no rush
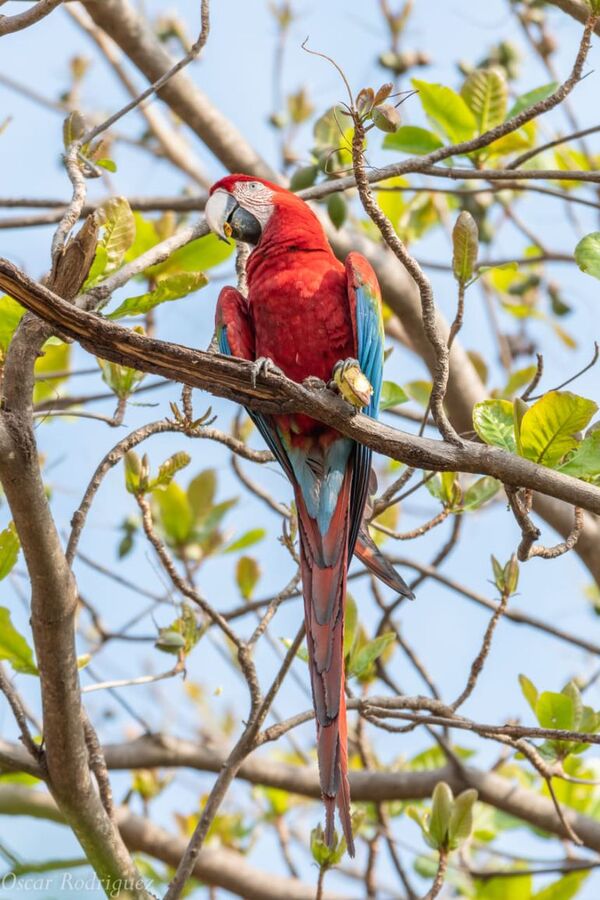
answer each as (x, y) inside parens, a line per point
(300, 313)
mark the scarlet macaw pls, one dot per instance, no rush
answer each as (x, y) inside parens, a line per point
(304, 313)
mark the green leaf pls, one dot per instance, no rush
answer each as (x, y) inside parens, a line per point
(465, 244)
(548, 428)
(519, 379)
(564, 889)
(13, 646)
(587, 254)
(486, 94)
(9, 549)
(134, 471)
(146, 237)
(119, 231)
(247, 573)
(531, 98)
(108, 164)
(11, 314)
(254, 536)
(97, 268)
(555, 711)
(571, 691)
(303, 178)
(480, 492)
(447, 109)
(367, 655)
(175, 512)
(585, 460)
(197, 256)
(169, 469)
(337, 209)
(419, 391)
(520, 887)
(172, 287)
(493, 420)
(55, 358)
(413, 140)
(392, 395)
(441, 811)
(529, 691)
(461, 820)
(120, 379)
(73, 128)
(201, 494)
(323, 855)
(350, 625)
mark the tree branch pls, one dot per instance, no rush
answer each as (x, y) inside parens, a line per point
(232, 378)
(219, 867)
(10, 24)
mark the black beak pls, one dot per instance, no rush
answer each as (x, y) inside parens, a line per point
(230, 220)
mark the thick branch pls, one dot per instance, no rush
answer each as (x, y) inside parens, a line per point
(214, 866)
(231, 378)
(135, 37)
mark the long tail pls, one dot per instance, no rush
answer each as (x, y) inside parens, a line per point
(324, 561)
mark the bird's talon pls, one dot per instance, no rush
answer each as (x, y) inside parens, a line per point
(262, 366)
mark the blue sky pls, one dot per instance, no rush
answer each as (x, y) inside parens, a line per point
(236, 74)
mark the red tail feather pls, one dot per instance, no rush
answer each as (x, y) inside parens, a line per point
(324, 564)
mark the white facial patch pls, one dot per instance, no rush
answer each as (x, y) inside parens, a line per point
(215, 211)
(257, 198)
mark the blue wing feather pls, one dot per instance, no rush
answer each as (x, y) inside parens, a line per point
(365, 300)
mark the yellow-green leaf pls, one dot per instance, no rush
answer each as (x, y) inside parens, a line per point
(249, 539)
(447, 109)
(392, 395)
(197, 256)
(201, 494)
(585, 461)
(413, 140)
(531, 98)
(55, 358)
(119, 231)
(465, 245)
(529, 690)
(13, 646)
(486, 94)
(493, 420)
(11, 314)
(549, 427)
(175, 512)
(172, 287)
(9, 549)
(247, 573)
(587, 254)
(441, 810)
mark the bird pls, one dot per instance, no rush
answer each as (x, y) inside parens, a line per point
(308, 315)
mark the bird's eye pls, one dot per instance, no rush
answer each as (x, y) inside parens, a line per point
(253, 185)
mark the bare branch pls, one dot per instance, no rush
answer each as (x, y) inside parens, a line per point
(10, 24)
(227, 377)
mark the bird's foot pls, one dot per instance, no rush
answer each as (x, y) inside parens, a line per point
(351, 382)
(312, 383)
(262, 366)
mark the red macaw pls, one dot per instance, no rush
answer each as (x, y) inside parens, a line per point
(304, 313)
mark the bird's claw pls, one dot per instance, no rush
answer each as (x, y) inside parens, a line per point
(351, 382)
(262, 366)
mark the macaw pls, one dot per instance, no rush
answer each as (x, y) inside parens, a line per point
(305, 314)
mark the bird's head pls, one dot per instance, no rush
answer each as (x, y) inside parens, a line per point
(240, 206)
